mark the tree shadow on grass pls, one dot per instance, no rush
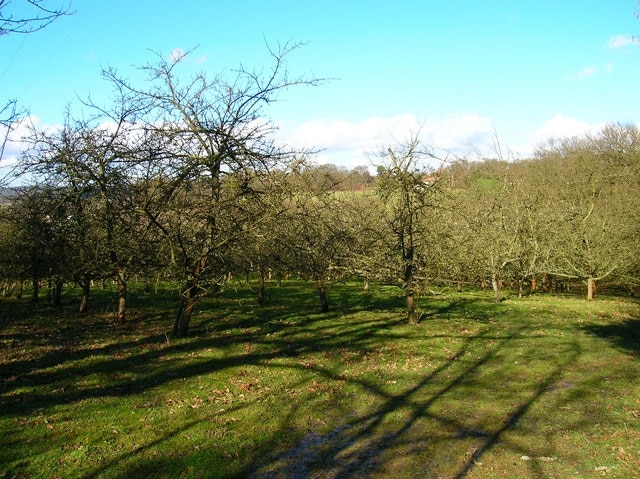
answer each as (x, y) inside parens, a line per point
(353, 447)
(131, 365)
(459, 308)
(365, 445)
(623, 335)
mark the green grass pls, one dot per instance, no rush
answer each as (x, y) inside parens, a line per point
(545, 386)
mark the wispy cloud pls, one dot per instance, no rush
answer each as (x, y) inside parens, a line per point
(591, 71)
(619, 41)
(202, 59)
(586, 73)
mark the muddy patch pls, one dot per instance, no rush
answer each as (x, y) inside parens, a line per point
(344, 451)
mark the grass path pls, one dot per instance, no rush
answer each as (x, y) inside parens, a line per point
(539, 387)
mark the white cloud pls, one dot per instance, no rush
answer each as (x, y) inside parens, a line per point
(619, 41)
(14, 144)
(560, 126)
(586, 72)
(348, 143)
(459, 132)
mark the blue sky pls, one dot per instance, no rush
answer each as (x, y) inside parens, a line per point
(466, 72)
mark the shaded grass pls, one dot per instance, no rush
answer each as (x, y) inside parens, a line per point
(538, 387)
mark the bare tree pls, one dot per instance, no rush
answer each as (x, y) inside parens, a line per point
(213, 142)
(93, 163)
(408, 189)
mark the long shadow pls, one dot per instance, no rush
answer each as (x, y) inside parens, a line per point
(623, 335)
(364, 431)
(356, 448)
(39, 382)
(70, 371)
(460, 308)
(64, 336)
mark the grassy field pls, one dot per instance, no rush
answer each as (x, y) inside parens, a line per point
(545, 386)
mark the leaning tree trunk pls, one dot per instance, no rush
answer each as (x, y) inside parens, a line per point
(185, 310)
(187, 301)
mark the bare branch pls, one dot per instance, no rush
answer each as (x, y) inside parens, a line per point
(37, 17)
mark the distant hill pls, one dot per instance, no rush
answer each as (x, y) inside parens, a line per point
(7, 195)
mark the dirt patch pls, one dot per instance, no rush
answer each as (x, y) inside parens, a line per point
(342, 452)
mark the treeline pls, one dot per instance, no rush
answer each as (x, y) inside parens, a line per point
(186, 182)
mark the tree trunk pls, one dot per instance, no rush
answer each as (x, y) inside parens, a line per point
(521, 288)
(408, 281)
(35, 292)
(534, 283)
(57, 292)
(324, 303)
(495, 283)
(187, 301)
(411, 307)
(121, 315)
(261, 296)
(183, 315)
(591, 288)
(85, 284)
(8, 289)
(185, 310)
(20, 290)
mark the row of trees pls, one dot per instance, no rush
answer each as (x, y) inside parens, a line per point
(185, 181)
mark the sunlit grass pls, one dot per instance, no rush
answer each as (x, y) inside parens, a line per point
(538, 387)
